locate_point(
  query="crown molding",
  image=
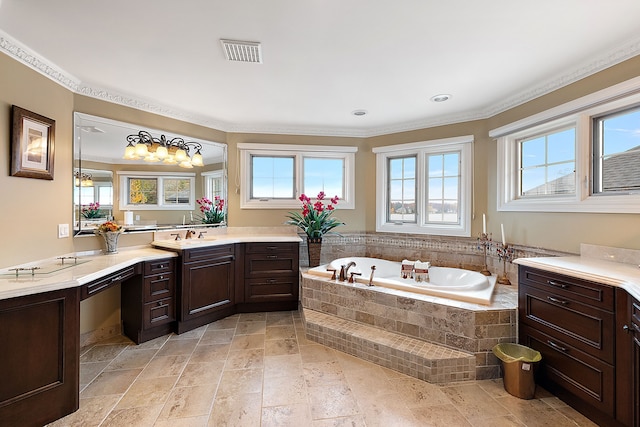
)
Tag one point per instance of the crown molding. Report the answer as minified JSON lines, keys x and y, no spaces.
{"x":37,"y":62}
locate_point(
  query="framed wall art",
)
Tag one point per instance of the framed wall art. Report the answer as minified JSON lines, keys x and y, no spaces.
{"x":32,"y":144}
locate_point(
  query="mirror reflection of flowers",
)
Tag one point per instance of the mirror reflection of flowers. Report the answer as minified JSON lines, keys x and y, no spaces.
{"x":109,"y":226}
{"x":92,"y":210}
{"x":212,"y":211}
{"x":316,"y":219}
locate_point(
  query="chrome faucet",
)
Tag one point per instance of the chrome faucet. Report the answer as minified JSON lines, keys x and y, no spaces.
{"x":344,"y":271}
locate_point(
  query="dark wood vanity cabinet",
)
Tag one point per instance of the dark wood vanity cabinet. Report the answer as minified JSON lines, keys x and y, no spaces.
{"x":271,"y":276}
{"x":40,"y":358}
{"x":207,"y":287}
{"x":628,"y":359}
{"x":572,"y":323}
{"x":148,"y":301}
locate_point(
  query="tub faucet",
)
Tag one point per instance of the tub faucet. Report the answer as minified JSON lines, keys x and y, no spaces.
{"x":344,"y":271}
{"x":373,"y":268}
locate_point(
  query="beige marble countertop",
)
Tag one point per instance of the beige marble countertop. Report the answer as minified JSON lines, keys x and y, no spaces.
{"x":620,"y":274}
{"x":95,"y":264}
{"x":223,"y":236}
{"x":91,"y":266}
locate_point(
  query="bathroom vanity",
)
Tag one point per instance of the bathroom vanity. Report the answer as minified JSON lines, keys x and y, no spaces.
{"x":177,"y":288}
{"x":583,"y":315}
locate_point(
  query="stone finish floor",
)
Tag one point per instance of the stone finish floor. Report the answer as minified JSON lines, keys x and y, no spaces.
{"x":259,"y":370}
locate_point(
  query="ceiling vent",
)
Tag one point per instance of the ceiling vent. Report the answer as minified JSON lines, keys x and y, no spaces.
{"x":241,"y":51}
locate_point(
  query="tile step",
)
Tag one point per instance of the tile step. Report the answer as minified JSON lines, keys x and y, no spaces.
{"x":420,"y":359}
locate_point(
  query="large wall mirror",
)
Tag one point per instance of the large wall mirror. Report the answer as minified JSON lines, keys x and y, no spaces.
{"x":162,"y":188}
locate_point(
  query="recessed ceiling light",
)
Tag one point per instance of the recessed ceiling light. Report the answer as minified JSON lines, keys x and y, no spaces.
{"x":359,"y":112}
{"x":441,"y":98}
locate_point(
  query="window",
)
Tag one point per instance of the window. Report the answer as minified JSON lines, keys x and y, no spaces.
{"x":215,"y":184}
{"x":583,"y":156}
{"x":401,"y":192}
{"x":616,"y":156}
{"x":425,"y":187}
{"x":157,"y":191}
{"x":274,"y":176}
{"x":547,"y":163}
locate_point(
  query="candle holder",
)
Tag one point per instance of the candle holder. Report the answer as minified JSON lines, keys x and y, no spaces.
{"x":484,"y":242}
{"x":505,"y":253}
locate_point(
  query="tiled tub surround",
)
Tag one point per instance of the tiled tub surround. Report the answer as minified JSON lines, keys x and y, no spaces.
{"x":441,"y":251}
{"x":430,"y":338}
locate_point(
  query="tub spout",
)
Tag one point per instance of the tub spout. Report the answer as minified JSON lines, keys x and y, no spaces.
{"x":344,"y":271}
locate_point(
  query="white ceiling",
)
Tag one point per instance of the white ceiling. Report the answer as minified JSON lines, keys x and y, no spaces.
{"x":323,"y":59}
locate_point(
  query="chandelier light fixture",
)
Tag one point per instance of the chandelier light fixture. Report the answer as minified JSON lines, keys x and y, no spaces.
{"x":176,"y":151}
{"x":83,"y":179}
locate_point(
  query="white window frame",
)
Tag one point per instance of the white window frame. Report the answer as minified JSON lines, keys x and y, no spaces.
{"x":580,"y":112}
{"x":207,"y":184}
{"x":462,"y":144}
{"x":161,"y":176}
{"x":298,"y":152}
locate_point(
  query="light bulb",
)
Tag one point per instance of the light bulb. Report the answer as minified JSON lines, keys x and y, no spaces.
{"x":141,"y":149}
{"x":181,"y":155}
{"x":196,"y":160}
{"x":186,"y":164}
{"x":130,"y":152}
{"x":162,"y":152}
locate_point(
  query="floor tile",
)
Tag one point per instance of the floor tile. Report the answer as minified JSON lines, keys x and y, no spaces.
{"x":259,"y":370}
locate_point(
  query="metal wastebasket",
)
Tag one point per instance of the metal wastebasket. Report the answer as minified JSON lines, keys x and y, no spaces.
{"x":518,"y":363}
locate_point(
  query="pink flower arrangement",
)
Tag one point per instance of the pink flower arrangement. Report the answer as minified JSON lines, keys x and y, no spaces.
{"x":92,"y":210}
{"x":316,"y":218}
{"x":212,"y":211}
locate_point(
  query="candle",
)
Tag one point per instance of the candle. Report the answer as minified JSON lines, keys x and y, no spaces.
{"x":504,"y":241}
{"x":183,"y":218}
{"x":191,"y":215}
{"x":484,"y":224}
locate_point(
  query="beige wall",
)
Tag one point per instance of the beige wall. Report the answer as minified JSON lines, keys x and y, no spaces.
{"x":28,"y":202}
{"x":32,"y":208}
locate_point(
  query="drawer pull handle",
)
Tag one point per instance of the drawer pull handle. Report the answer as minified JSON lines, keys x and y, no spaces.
{"x":115,"y":279}
{"x":272,"y":248}
{"x":271,"y":281}
{"x":631,"y":329}
{"x":557,"y":301}
{"x":161,"y":266}
{"x":557,"y":284}
{"x":161,"y":277}
{"x":272,"y":256}
{"x":556,"y":346}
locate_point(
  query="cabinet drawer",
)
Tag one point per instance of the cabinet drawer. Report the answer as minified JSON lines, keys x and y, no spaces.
{"x":106,"y":282}
{"x":582,"y":326}
{"x":271,"y":247}
{"x":586,"y":377}
{"x":275,"y":264}
{"x":594,"y":294}
{"x":158,"y":287}
{"x":208,"y":253}
{"x":160,"y":266}
{"x":158,"y":313}
{"x":271,"y":289}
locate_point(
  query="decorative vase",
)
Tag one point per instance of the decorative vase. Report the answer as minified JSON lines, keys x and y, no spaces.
{"x":111,"y":241}
{"x":314,"y":247}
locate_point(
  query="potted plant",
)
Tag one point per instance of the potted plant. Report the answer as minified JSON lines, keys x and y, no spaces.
{"x":90,"y":211}
{"x":110,"y":231}
{"x":315,"y":220}
{"x":212,"y":211}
